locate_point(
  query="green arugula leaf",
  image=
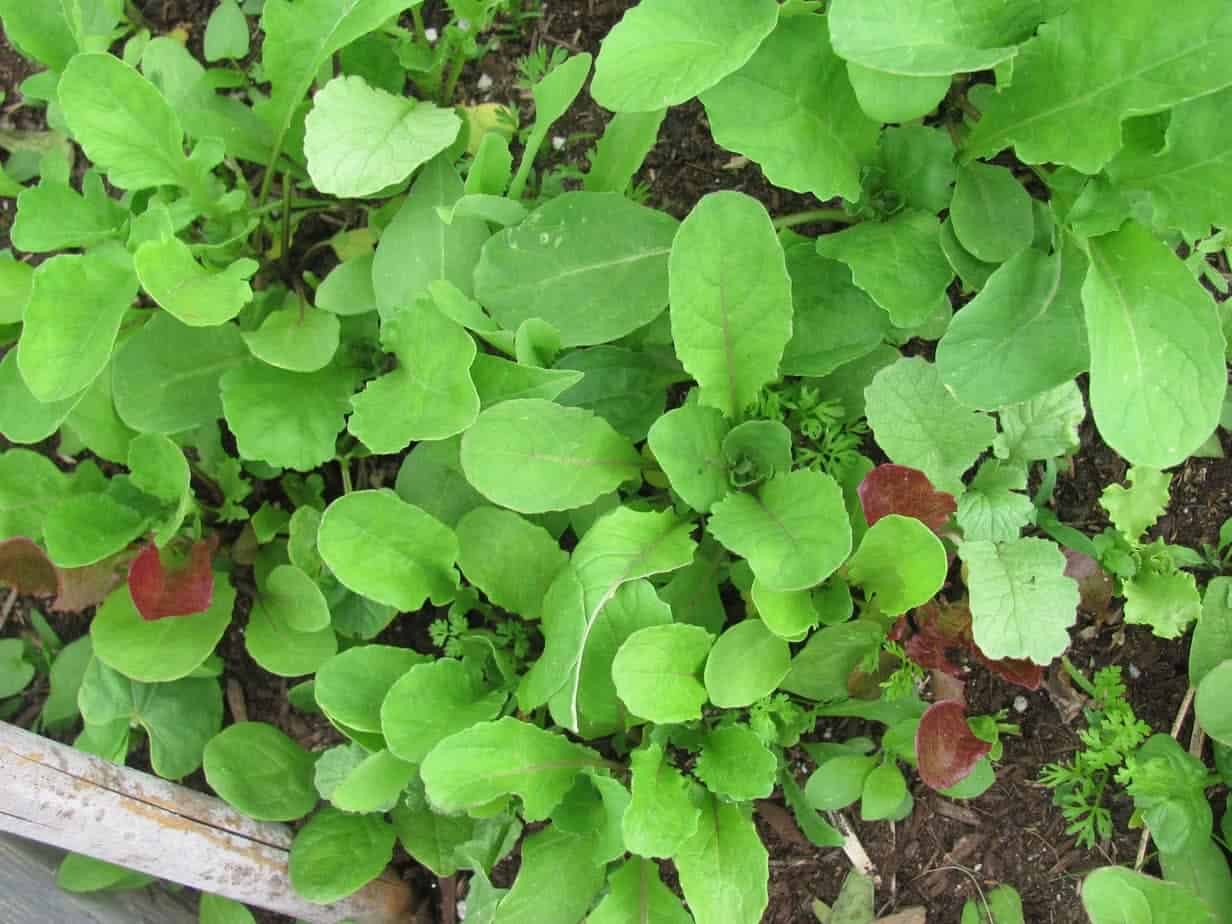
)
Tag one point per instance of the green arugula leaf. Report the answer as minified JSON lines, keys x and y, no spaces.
{"x":260,"y":771}
{"x":159,"y":469}
{"x":735,"y":764}
{"x":723,"y":867}
{"x":226,"y":33}
{"x":992,"y":507}
{"x":30,"y":486}
{"x":1022,"y":603}
{"x":627,"y":388}
{"x":95,"y":423}
{"x":661,"y":815}
{"x":52,"y":216}
{"x":553,"y":863}
{"x":375,"y":785}
{"x":886,"y":97}
{"x":431,"y":839}
{"x":432,"y":701}
{"x":991,"y":212}
{"x":23,"y":418}
{"x":1113,"y":893}
{"x":468,"y":770}
{"x":621,"y":150}
{"x":794,"y":533}
{"x":807,"y":135}
{"x":788,"y":614}
{"x":730,"y":300}
{"x":187,"y":290}
{"x":919,"y":165}
{"x":746,"y":663}
{"x":899,"y":263}
{"x":1069,"y":96}
{"x":86,"y":528}
{"x":657,"y":672}
{"x":1158,"y":375}
{"x":534,"y":456}
{"x":296,"y":337}
{"x":973,"y":273}
{"x":900,"y":563}
{"x":16,"y":280}
{"x":276,"y":646}
{"x":636,"y":894}
{"x":388,"y":550}
{"x":1211,"y":703}
{"x":597,"y":248}
{"x":360,"y":140}
{"x":351,"y":687}
{"x":431,"y":479}
{"x":884,"y":795}
{"x":292,"y":598}
{"x":71,"y":321}
{"x":688,"y":444}
{"x":1043,"y":428}
{"x":918,"y":423}
{"x":665,"y":52}
{"x":511,"y":560}
{"x":367,"y":841}
{"x":348,"y":289}
{"x":1212,"y":638}
{"x":39,"y":31}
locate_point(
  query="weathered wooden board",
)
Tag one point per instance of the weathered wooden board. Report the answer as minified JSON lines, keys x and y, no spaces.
{"x":59,"y":796}
{"x":29,"y":894}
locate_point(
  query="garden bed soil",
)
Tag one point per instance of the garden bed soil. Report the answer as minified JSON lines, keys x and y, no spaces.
{"x":946,"y":851}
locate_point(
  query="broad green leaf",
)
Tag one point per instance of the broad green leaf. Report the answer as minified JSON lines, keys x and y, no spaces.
{"x":1211,"y":703}
{"x":159,"y":469}
{"x":494,"y":209}
{"x":300,"y":37}
{"x":360,"y":140}
{"x":1167,"y":601}
{"x":688,"y":444}
{"x":432,"y":701}
{"x":418,"y":248}
{"x":919,"y":423}
{"x":226,"y":33}
{"x":287,"y":419}
{"x":183,"y":287}
{"x":431,"y":478}
{"x":297,"y":337}
{"x":52,"y":216}
{"x":973,"y":273}
{"x":595,"y":808}
{"x":788,"y":614}
{"x":820,"y":671}
{"x":375,"y":785}
{"x":348,"y":289}
{"x":1043,"y":428}
{"x":40,"y":31}
{"x":1212,"y":638}
{"x":834,"y":322}
{"x":619,"y":154}
{"x":468,"y":770}
{"x":730,"y":300}
{"x":498,"y":380}
{"x":1071,"y":90}
{"x":885,"y":791}
{"x":366,"y":841}
{"x":838,"y":782}
{"x":635,"y":895}
{"x":993,"y":506}
{"x":80,"y":873}
{"x":257,"y":769}
{"x":71,"y":321}
{"x":794,"y":532}
{"x":86,"y":528}
{"x":163,"y":650}
{"x":901,"y":564}
{"x":290,"y":597}
{"x":511,"y":560}
{"x":123,"y":123}
{"x":430,"y":395}
{"x":67,"y":672}
{"x":1158,"y":375}
{"x":588,"y":613}
{"x":215,"y":909}
{"x":431,"y":839}
{"x":553,"y":94}
{"x":279,"y":648}
{"x":1022,"y":603}
{"x":1022,"y":335}
{"x":899,"y":98}
{"x":557,"y":864}
{"x":931,"y":37}
{"x":599,"y":249}
{"x":388,"y":550}
{"x":95,"y":423}
{"x":693,"y":591}
{"x":657,"y":672}
{"x":665,"y":52}
{"x":627,"y":388}
{"x":1115,"y":895}
{"x":534,"y":456}
{"x":991,"y":212}
{"x":757,"y":450}
{"x":178,"y":717}
{"x":919,"y":165}
{"x":806,"y":135}
{"x":723,"y":867}
{"x":165,"y":378}
{"x":23,"y":418}
{"x":899,"y":263}
{"x":1183,"y":179}
{"x":16,"y":279}
{"x":746,"y":663}
{"x":661,"y":814}
{"x":352,"y":685}
{"x":736,"y":765}
{"x":30,"y":486}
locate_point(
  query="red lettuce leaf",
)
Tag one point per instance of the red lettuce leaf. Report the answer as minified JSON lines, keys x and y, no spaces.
{"x":26,"y":567}
{"x":181,"y":590}
{"x":943,"y":635}
{"x":906,"y":491}
{"x":1095,"y":587}
{"x":945,"y":746}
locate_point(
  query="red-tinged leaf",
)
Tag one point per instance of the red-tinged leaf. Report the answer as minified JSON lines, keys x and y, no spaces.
{"x":943,"y":635}
{"x":906,"y":491}
{"x":945,"y":686}
{"x":182,"y":590}
{"x":82,"y":588}
{"x":1026,"y":674}
{"x":1095,"y":587}
{"x":26,"y":568}
{"x":945,"y":746}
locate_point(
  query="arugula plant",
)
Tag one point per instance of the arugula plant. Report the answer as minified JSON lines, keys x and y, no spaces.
{"x":634,"y":498}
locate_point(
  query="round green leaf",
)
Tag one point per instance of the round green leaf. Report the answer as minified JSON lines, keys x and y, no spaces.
{"x":292,"y":598}
{"x":429,"y":703}
{"x":182,"y":286}
{"x":788,"y":614}
{"x":162,"y":650}
{"x":656,"y":672}
{"x":511,"y":560}
{"x":257,"y":769}
{"x":890,"y":97}
{"x":298,"y":338}
{"x":23,"y":418}
{"x":884,"y":791}
{"x":375,"y":785}
{"x":351,"y":686}
{"x":745,"y":664}
{"x":30,"y":486}
{"x":388,"y":550}
{"x":348,"y":289}
{"x":736,"y":764}
{"x":838,"y":782}
{"x":900,"y":563}
{"x":991,"y":212}
{"x":282,"y":650}
{"x":1214,"y":703}
{"x":688,"y":445}
{"x":365,"y":841}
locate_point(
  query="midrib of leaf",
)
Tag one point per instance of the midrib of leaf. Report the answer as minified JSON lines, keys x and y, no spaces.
{"x":1113,"y":283}
{"x":727,"y":343}
{"x":604,"y":264}
{"x":643,"y":894}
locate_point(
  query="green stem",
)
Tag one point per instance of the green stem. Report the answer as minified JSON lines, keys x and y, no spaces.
{"x":451,"y":82}
{"x":135,"y":16}
{"x":344,"y":466}
{"x":1077,"y":676}
{"x":301,"y":205}
{"x":417,"y":19}
{"x":837,"y":216}
{"x":529,"y":153}
{"x":288,"y":196}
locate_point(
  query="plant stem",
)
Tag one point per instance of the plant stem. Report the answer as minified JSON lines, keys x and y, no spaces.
{"x":288,"y":196}
{"x":838,"y":216}
{"x":417,"y":19}
{"x":455,"y":71}
{"x":300,"y":205}
{"x":344,"y":466}
{"x":1077,"y":676}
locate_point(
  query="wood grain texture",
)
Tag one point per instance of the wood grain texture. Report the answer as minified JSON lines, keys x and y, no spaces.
{"x":65,"y":798}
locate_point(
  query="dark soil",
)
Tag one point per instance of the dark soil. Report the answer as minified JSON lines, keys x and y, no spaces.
{"x":946,"y":851}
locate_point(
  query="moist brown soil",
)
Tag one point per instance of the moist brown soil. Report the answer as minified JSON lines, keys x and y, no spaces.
{"x":947,"y":851}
